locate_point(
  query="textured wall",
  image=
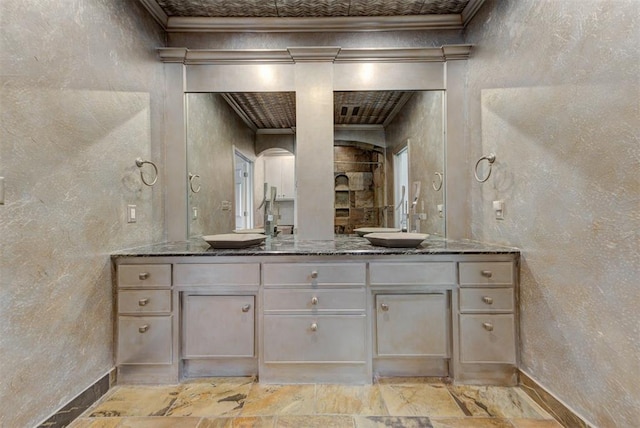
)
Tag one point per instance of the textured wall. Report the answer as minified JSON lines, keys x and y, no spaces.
{"x":421,"y":121}
{"x":80,"y":99}
{"x":213,"y":128}
{"x":553,"y":91}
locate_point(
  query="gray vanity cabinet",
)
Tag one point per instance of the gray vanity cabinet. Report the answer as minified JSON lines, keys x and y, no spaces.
{"x":144,"y":346}
{"x":217,"y":317}
{"x":487,"y":319}
{"x":314,"y":327}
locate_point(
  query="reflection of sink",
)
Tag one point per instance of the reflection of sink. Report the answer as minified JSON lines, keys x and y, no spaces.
{"x":364,"y":230}
{"x":396,"y":240}
{"x":260,"y":230}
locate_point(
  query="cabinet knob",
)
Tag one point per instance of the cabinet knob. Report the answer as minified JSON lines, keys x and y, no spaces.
{"x":488,"y":300}
{"x":486,"y":273}
{"x":314,"y":300}
{"x":314,"y":274}
{"x":143,"y":302}
{"x":143,"y":275}
{"x":144,"y":328}
{"x":487,"y":326}
{"x":246,"y":308}
{"x":384,"y":306}
{"x":314,"y":327}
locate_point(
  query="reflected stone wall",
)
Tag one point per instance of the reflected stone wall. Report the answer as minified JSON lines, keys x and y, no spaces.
{"x":553,"y":91}
{"x":80,"y":99}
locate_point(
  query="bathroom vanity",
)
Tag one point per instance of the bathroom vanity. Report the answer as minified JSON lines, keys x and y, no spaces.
{"x":338,"y":311}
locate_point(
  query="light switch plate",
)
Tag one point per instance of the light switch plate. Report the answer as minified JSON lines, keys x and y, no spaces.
{"x":498,"y":207}
{"x":194,"y":213}
{"x":1,"y":190}
{"x":131,"y":214}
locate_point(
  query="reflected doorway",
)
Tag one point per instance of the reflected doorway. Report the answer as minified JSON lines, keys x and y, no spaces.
{"x":243,"y":183}
{"x":401,"y":187}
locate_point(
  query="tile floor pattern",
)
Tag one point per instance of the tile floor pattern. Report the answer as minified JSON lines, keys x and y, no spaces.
{"x":241,"y":402}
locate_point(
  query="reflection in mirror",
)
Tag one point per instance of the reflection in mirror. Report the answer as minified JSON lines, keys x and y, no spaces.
{"x":225,"y":134}
{"x":370,"y":128}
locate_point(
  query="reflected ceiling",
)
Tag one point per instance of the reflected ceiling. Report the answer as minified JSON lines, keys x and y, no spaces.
{"x":277,"y":110}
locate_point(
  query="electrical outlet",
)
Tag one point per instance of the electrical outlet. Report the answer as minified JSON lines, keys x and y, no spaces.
{"x":226,"y":206}
{"x":441,"y":210}
{"x":131,"y":214}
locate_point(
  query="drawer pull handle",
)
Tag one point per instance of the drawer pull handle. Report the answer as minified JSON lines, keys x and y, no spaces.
{"x":143,"y":302}
{"x":314,"y":300}
{"x":384,"y":307}
{"x":144,"y":328}
{"x":314,"y":274}
{"x":314,"y":327}
{"x":488,"y":300}
{"x":486,"y":273}
{"x":246,"y":308}
{"x":143,"y":276}
{"x":487,"y":326}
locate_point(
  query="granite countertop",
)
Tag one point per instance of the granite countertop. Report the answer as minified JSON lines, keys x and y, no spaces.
{"x":288,"y":245}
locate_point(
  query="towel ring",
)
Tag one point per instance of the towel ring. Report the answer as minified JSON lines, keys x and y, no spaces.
{"x":438,"y":186}
{"x":192,"y":177}
{"x":491,"y":159}
{"x":139,"y":163}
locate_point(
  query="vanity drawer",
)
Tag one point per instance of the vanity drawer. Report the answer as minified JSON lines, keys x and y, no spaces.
{"x":141,"y":301}
{"x":486,"y":299}
{"x":158,"y":276}
{"x":144,"y":340}
{"x":486,"y":273}
{"x":217,"y":274}
{"x":425,"y":273}
{"x":487,"y":339}
{"x":314,"y":300}
{"x":324,"y":338}
{"x":314,"y":274}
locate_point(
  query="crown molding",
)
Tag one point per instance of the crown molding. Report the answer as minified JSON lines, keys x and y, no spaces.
{"x":470,"y":10}
{"x":156,"y":11}
{"x":313,"y":54}
{"x":313,"y":24}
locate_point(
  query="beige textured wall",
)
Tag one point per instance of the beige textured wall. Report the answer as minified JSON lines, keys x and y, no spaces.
{"x":420,"y":121}
{"x":213,"y":129}
{"x":80,"y":99}
{"x":553,"y":91}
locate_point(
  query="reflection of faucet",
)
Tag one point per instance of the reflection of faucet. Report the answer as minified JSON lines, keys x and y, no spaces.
{"x":415,"y":223}
{"x":403,"y":211}
{"x":269,"y":204}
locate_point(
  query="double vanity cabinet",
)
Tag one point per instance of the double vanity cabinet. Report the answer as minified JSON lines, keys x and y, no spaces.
{"x":340,"y":312}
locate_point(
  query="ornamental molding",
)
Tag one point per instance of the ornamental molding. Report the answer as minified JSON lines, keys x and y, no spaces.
{"x":313,"y":54}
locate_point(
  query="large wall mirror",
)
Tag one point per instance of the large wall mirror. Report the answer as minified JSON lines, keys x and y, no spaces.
{"x":237,"y":142}
{"x":385,"y":141}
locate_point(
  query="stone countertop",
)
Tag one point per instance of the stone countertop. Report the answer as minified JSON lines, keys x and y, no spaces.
{"x":288,"y":245}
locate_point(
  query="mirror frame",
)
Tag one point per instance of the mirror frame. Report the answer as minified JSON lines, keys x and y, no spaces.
{"x":211,"y":70}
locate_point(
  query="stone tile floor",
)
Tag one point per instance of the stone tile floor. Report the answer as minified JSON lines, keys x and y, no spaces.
{"x":242,"y":402}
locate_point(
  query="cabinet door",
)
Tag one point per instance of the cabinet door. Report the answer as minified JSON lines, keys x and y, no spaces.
{"x":218,"y":326}
{"x":287,"y":177}
{"x":412,"y":325}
